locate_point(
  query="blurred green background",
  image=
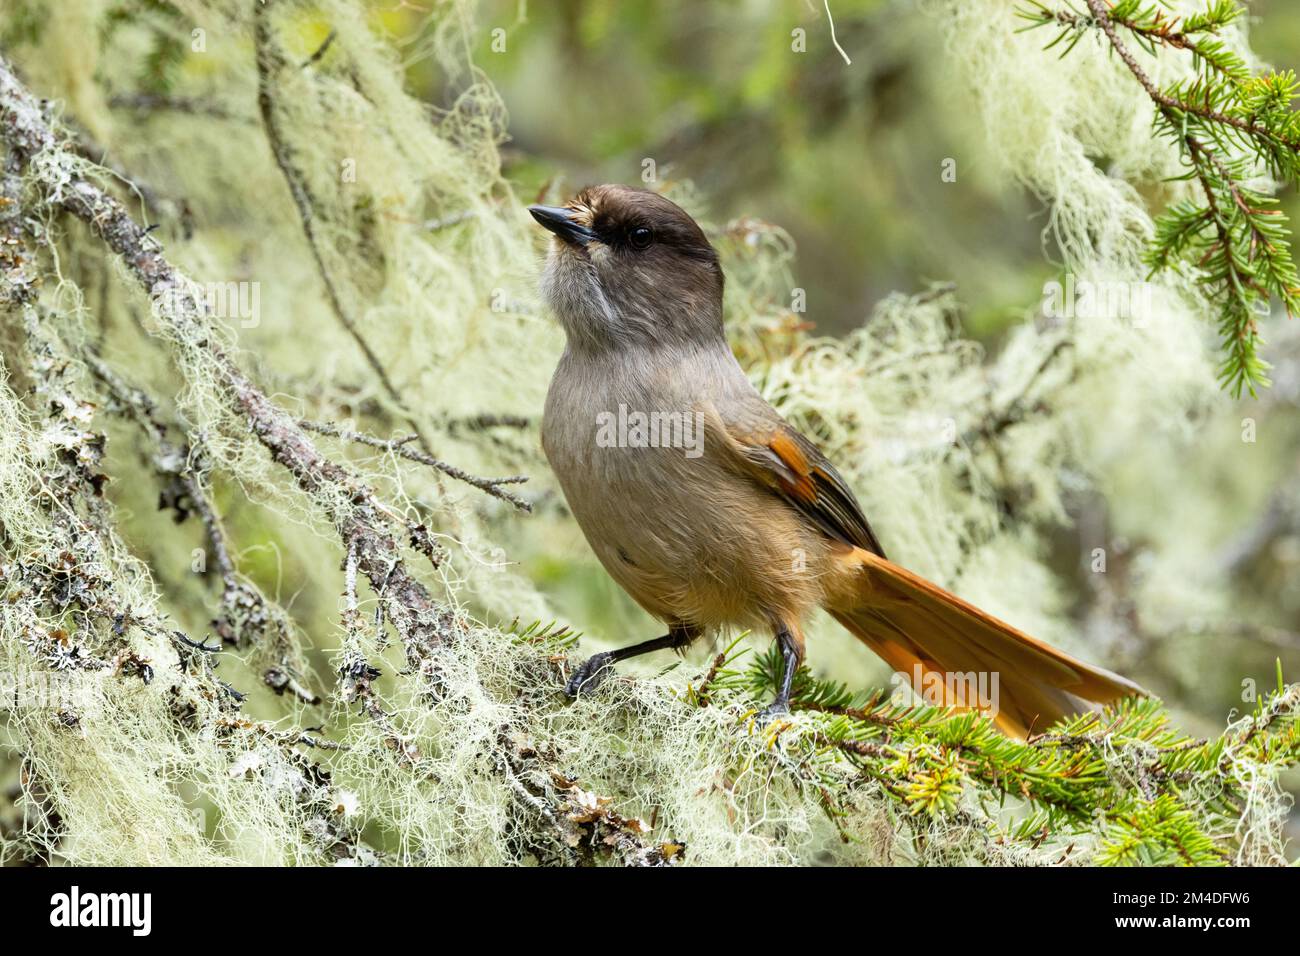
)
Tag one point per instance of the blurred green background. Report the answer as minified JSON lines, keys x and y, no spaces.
{"x":847,"y":159}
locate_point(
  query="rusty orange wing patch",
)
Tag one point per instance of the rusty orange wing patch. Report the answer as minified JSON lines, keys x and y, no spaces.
{"x":797,"y":470}
{"x":796,"y":478}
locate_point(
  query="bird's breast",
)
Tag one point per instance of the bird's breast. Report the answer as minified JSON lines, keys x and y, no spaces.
{"x":686,"y":535}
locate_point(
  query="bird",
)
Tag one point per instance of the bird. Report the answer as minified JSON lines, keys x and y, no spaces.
{"x":712,"y":511}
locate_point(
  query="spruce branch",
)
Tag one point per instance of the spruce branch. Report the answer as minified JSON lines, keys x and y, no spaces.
{"x":1225,"y":123}
{"x":1165,"y":797}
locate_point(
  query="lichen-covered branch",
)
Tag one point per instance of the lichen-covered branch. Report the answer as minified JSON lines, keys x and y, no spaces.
{"x":245,"y":617}
{"x":360,"y":518}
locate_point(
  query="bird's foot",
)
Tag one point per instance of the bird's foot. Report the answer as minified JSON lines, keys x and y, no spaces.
{"x":589,"y":674}
{"x":778,"y":708}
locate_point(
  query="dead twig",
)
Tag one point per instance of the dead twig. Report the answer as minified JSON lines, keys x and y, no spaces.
{"x":400,"y":447}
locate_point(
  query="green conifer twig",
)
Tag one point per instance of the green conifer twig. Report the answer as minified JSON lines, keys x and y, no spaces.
{"x":1226,"y":123}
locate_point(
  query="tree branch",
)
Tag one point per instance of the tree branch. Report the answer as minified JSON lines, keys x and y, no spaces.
{"x":358,"y":516}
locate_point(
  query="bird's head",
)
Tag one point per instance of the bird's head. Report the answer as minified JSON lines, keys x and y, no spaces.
{"x":628,"y":265}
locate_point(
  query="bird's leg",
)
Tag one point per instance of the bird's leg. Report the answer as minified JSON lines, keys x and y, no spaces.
{"x":595,"y":668}
{"x":792,"y":654}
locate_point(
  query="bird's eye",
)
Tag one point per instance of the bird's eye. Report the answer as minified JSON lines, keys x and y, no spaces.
{"x":640,"y":237}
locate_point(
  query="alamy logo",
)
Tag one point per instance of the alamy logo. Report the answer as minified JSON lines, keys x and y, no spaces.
{"x":103,"y":909}
{"x":240,"y":301}
{"x":976,"y":690}
{"x":658,"y":429}
{"x":1088,"y":299}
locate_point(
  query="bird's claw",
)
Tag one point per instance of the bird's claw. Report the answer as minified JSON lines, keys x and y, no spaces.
{"x":589,"y":674}
{"x":778,"y":708}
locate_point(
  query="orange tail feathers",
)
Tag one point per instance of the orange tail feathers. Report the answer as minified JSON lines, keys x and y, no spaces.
{"x":968,"y":658}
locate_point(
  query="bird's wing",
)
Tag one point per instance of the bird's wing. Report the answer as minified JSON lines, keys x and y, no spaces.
{"x":777,"y":456}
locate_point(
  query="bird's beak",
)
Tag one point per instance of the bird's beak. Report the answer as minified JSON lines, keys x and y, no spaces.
{"x":563,"y":223}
